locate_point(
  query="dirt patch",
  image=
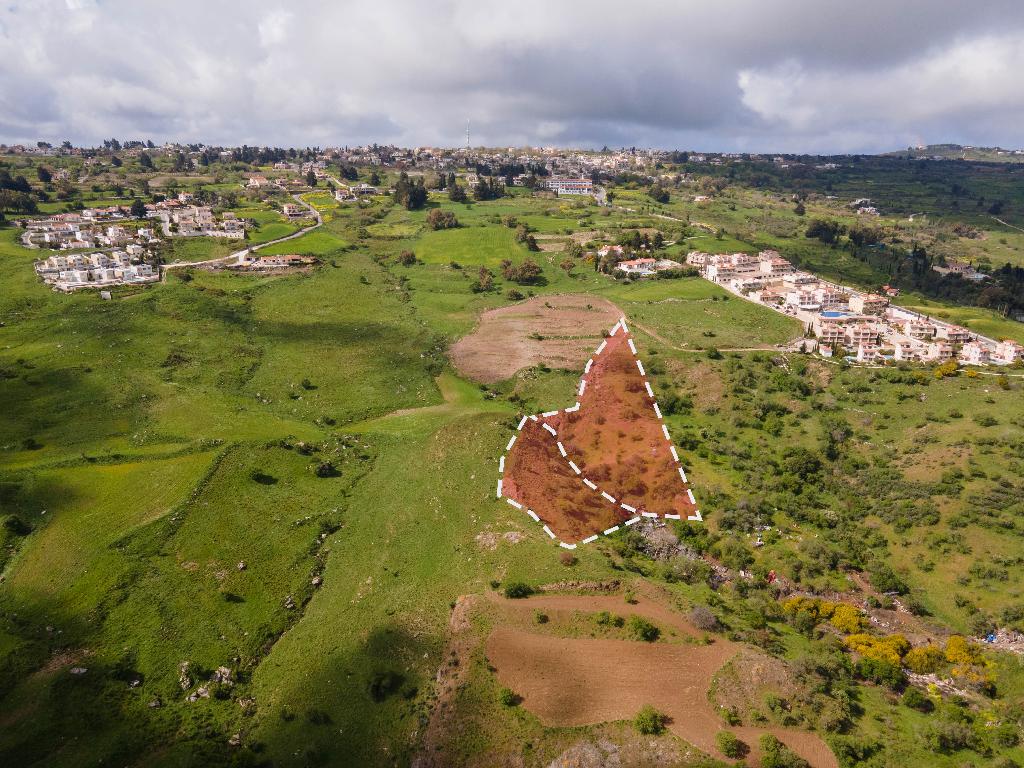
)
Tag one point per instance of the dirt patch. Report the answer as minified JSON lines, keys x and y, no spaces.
{"x":572,"y":681}
{"x":616,"y":437}
{"x":743,"y":682}
{"x":490,"y":539}
{"x":450,"y":676}
{"x":569,"y":682}
{"x":506,"y":339}
{"x":540,"y":479}
{"x":602,"y":462}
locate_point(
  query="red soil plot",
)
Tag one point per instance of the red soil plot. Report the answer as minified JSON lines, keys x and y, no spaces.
{"x":538,"y":478}
{"x":612,"y":444}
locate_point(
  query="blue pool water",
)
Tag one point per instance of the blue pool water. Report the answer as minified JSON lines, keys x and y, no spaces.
{"x":833,"y":314}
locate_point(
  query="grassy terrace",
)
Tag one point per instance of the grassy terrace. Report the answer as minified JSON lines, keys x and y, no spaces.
{"x":163,"y":438}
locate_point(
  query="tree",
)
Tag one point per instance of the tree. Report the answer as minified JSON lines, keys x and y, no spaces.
{"x":527,"y":273}
{"x":410,"y":195}
{"x":438,"y":219}
{"x":44,"y":175}
{"x":824,"y":230}
{"x":456,"y":193}
{"x":138,"y":209}
{"x":145,"y":160}
{"x":649,"y":721}
{"x":310,"y":178}
{"x":484,"y":281}
{"x":658,"y":193}
{"x":568,"y":264}
{"x":799,"y":209}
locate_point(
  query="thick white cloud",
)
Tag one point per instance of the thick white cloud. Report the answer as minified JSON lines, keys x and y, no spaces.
{"x":785,"y":75}
{"x":969,"y":83}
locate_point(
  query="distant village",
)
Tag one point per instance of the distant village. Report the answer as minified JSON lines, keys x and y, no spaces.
{"x":863,"y":327}
{"x":128,"y":256}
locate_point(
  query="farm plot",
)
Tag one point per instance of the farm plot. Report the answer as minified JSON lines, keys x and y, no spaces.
{"x":606,"y":461}
{"x":554,"y":330}
{"x":572,"y":681}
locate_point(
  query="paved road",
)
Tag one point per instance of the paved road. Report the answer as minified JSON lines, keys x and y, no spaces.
{"x":234,"y":257}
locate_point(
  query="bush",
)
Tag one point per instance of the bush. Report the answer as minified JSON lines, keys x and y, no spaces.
{"x":407,"y":258}
{"x":775,"y":754}
{"x":703,"y":619}
{"x":262,"y":477}
{"x":507,"y":697}
{"x":383,"y":684}
{"x":438,"y":219}
{"x":649,"y":721}
{"x":914,"y":699}
{"x":540,"y":617}
{"x":13,"y":524}
{"x":847,"y":619}
{"x":517,"y":590}
{"x":326,"y":469}
{"x":642,"y":629}
{"x":881,"y":672}
{"x":924,"y":660}
{"x":730,"y":746}
{"x":945,"y":737}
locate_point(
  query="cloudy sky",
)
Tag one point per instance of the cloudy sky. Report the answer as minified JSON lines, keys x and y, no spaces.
{"x":783,"y":75}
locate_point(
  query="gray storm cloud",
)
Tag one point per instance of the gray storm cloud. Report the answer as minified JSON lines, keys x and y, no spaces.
{"x":787,"y":76}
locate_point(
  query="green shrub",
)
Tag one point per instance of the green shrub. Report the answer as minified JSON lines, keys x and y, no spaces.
{"x":775,"y":754}
{"x":649,"y":721}
{"x":915,"y":699}
{"x":730,"y":746}
{"x":517,"y":589}
{"x":507,"y":697}
{"x":642,"y":629}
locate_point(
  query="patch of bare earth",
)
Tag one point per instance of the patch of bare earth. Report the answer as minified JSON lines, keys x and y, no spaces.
{"x":588,"y":469}
{"x":569,"y":682}
{"x":506,"y":339}
{"x":617,"y":440}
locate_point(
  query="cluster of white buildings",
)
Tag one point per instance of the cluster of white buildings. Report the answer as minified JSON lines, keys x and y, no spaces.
{"x":95,"y":270}
{"x":644,"y":266}
{"x":567,"y":185}
{"x":863,"y":325}
{"x":91,"y":228}
{"x":255,"y":262}
{"x":199,"y":221}
{"x":344,"y":193}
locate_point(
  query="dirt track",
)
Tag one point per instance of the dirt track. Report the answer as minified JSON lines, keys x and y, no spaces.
{"x":501,"y":344}
{"x":573,"y":682}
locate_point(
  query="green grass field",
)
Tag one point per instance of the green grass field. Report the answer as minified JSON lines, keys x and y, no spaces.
{"x":284,"y":476}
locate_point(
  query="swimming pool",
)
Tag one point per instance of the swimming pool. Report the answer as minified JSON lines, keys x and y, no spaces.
{"x":833,"y":313}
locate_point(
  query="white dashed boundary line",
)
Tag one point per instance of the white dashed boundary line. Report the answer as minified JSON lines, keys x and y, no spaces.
{"x":696,"y":516}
